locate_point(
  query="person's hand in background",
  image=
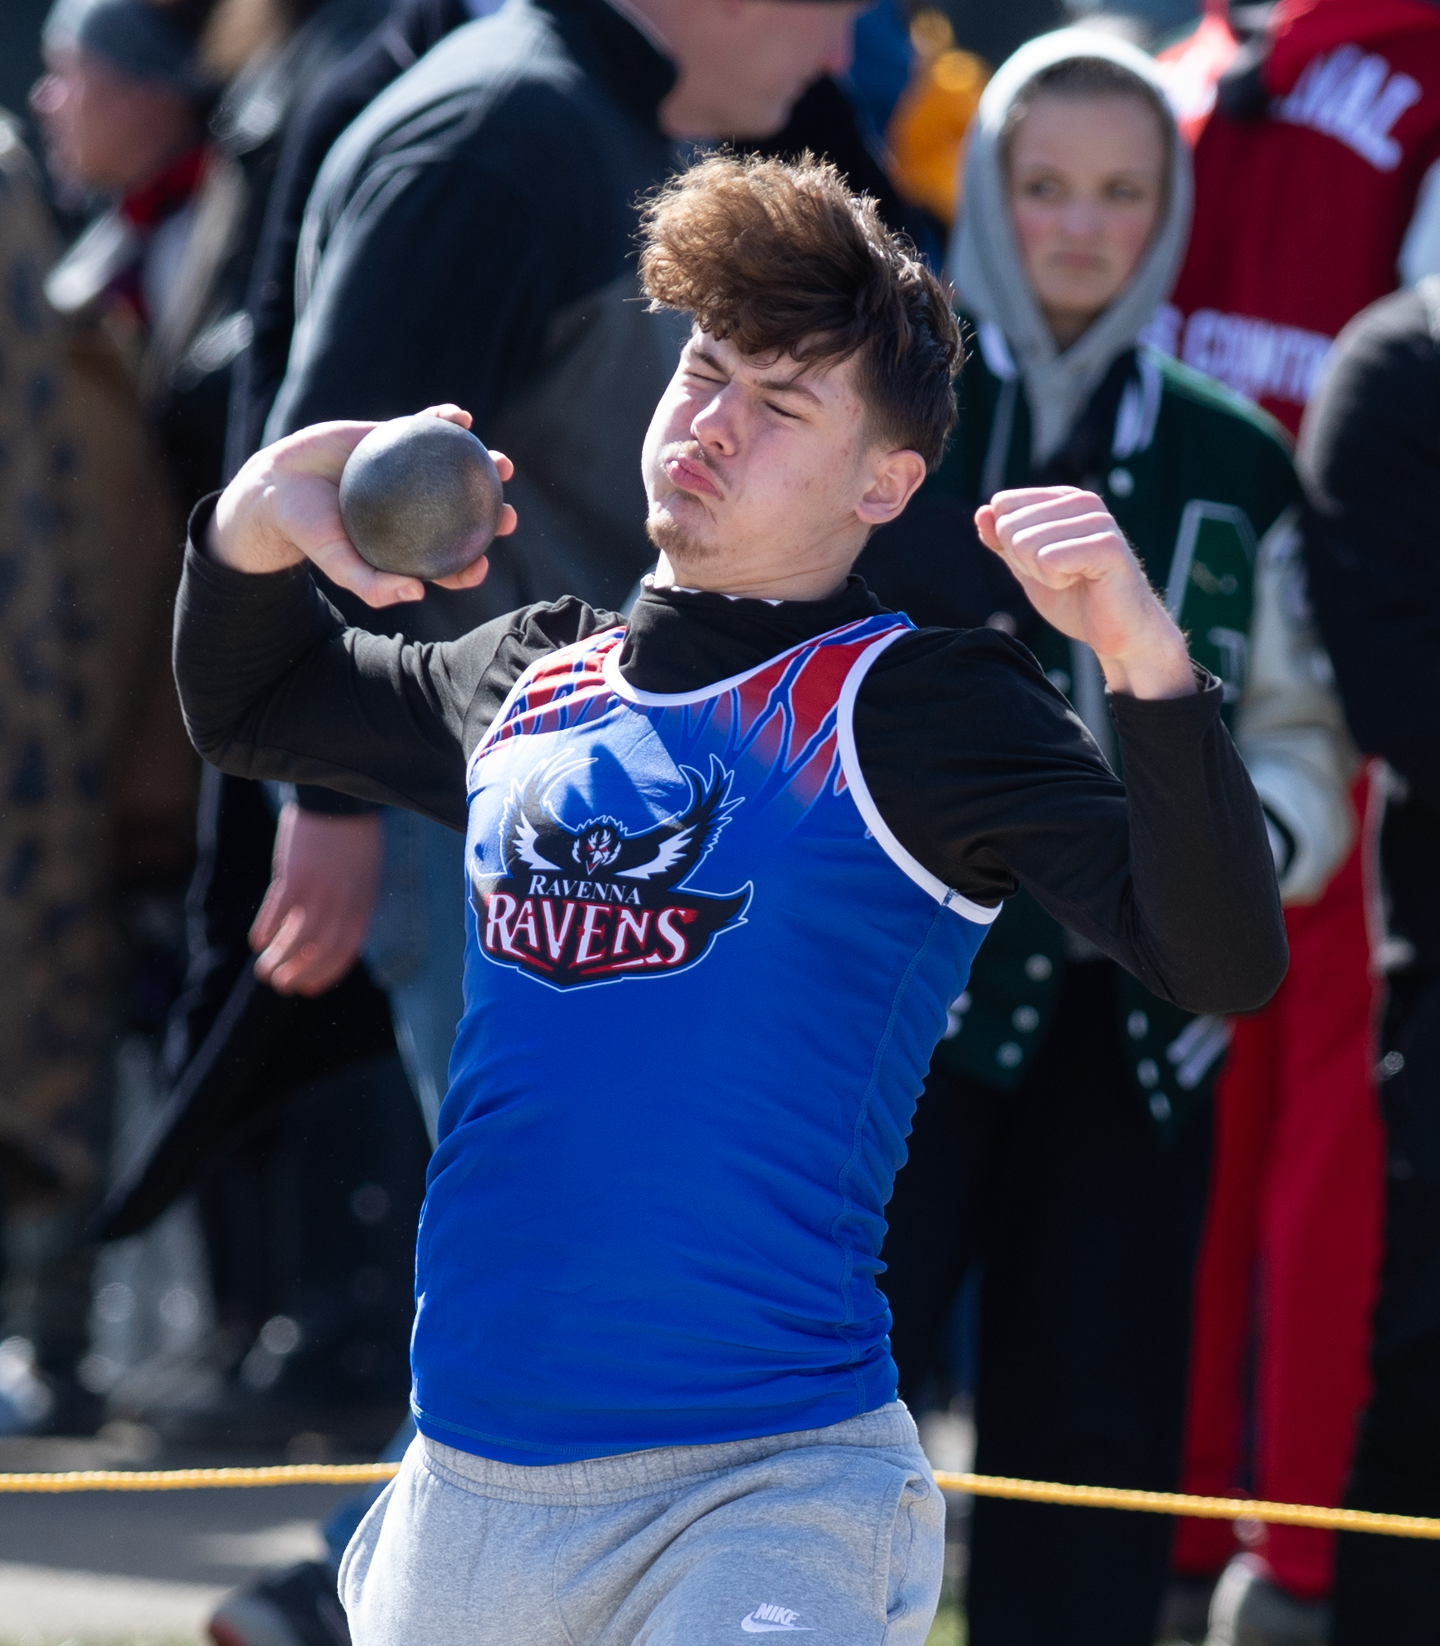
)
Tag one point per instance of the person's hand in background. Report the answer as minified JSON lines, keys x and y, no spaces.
{"x":325,"y":877}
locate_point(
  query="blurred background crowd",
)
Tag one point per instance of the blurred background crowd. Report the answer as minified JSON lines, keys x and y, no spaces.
{"x":1198,"y":254}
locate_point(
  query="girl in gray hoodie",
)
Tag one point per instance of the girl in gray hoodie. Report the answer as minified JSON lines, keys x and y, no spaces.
{"x":1064,"y":1136}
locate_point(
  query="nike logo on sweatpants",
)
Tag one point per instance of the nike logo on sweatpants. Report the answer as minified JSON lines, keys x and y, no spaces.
{"x":766,"y":1620}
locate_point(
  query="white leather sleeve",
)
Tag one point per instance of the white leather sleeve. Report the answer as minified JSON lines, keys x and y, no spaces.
{"x":1289,"y":726}
{"x":1420,"y":249}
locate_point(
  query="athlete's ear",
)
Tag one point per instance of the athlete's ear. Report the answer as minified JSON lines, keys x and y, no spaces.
{"x":894,"y":480}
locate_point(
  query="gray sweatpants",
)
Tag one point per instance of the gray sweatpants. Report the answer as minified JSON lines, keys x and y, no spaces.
{"x":838,"y":1532}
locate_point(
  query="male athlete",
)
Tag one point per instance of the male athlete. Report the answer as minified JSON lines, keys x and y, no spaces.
{"x":728,"y":863}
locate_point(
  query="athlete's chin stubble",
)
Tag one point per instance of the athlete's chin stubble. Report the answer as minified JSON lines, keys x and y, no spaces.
{"x":674,"y":542}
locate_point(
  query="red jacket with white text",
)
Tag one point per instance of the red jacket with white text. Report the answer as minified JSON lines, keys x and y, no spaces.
{"x":1304,"y":197}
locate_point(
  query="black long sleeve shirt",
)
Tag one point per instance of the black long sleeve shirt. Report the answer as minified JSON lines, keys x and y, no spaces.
{"x":1369,"y":460}
{"x":982,"y":770}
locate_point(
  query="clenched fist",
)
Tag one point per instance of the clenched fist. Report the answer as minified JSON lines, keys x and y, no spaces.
{"x":1082,"y":577}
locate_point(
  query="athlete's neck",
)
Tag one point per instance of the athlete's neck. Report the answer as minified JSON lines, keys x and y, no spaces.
{"x":751,"y":583}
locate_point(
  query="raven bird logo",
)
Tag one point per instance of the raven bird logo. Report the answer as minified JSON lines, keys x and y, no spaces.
{"x":532,"y":836}
{"x":589,"y":905}
{"x":598,"y":847}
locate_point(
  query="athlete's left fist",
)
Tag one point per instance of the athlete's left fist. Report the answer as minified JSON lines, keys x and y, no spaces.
{"x":1080,"y":574}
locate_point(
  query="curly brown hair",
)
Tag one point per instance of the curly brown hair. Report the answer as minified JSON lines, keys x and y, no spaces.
{"x":783,"y":258}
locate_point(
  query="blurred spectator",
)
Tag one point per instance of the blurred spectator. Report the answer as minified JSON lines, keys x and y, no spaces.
{"x":1063,"y":1138}
{"x":1370,"y":461}
{"x":55,"y":929}
{"x":101,"y":782}
{"x":927,"y":126}
{"x":1317,"y":187}
{"x":132,"y":108}
{"x":271,"y":54}
{"x":1330,"y":115}
{"x":328,"y":106}
{"x":101,"y":800}
{"x":123,"y":108}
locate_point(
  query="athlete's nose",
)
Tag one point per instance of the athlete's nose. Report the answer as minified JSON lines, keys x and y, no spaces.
{"x":715,"y":426}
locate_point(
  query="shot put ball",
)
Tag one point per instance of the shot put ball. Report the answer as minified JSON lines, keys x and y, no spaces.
{"x":420,"y":497}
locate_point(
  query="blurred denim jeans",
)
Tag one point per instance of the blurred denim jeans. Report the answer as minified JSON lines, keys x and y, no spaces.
{"x":416,"y":948}
{"x":416,"y":953}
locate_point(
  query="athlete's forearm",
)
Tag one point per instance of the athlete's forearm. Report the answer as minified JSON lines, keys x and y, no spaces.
{"x":1180,"y":887}
{"x":1203,"y":916}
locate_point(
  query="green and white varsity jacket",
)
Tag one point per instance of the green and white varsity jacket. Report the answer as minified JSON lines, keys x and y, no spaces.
{"x":1202,"y":484}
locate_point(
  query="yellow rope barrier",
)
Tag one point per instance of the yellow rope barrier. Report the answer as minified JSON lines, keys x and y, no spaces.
{"x":179,"y":1480}
{"x":1182,"y":1503}
{"x":1026,"y":1491}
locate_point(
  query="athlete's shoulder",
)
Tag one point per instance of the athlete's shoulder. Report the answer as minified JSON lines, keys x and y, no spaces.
{"x":480,"y":670}
{"x":937,"y":661}
{"x":499,"y":652}
{"x":973,"y":701}
{"x":552,"y":625}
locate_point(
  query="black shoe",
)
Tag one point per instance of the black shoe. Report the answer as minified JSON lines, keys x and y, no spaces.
{"x":1185,"y":1611}
{"x":296,"y":1607}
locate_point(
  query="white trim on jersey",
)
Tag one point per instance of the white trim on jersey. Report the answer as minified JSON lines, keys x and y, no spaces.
{"x":671,"y":700}
{"x":945,"y":895}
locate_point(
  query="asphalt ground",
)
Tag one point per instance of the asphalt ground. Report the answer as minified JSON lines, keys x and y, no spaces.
{"x":79,"y":1569}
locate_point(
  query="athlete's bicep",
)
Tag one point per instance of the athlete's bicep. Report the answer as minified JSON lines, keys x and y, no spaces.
{"x":985,"y":772}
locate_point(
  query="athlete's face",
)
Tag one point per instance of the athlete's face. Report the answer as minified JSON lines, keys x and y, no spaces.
{"x":762,"y":475}
{"x":1087,"y":181}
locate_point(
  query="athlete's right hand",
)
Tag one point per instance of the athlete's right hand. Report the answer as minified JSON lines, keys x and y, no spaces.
{"x":284,"y":507}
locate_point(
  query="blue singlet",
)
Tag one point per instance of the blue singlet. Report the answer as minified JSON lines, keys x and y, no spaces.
{"x":702,"y":984}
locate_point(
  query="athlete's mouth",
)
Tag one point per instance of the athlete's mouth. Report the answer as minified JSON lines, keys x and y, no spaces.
{"x":690,"y":474}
